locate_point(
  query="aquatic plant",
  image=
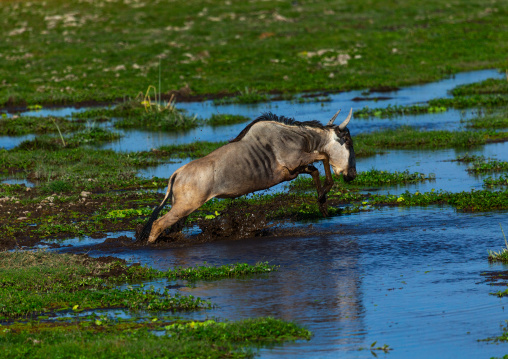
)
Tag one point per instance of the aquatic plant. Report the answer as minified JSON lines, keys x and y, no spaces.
{"x":491,"y":120}
{"x":494,"y":182}
{"x":147,"y":337}
{"x":502,"y":255}
{"x":409,"y":137}
{"x":396,"y":110}
{"x":481,"y":165}
{"x":206,"y":272}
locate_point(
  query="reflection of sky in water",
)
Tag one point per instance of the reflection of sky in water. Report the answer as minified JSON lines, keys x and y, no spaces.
{"x":406,"y":277}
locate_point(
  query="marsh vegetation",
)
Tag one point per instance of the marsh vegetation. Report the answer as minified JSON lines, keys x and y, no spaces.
{"x":136,"y":77}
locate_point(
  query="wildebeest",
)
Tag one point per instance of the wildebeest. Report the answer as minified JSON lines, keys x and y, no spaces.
{"x":270,"y":150}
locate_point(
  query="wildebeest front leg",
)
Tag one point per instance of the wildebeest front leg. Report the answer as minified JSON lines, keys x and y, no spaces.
{"x":313,"y":171}
{"x":328,"y":181}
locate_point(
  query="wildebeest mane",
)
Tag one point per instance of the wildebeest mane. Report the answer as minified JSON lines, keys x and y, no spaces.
{"x":268,"y":116}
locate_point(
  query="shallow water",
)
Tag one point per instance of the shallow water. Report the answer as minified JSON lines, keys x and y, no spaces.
{"x":406,"y":277}
{"x":449,"y":176}
{"x":137,"y":140}
{"x":312,"y":111}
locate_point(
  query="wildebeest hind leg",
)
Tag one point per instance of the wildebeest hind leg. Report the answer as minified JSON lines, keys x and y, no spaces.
{"x":175,"y":216}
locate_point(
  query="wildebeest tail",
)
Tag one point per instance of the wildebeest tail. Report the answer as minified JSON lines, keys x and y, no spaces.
{"x":145,"y":232}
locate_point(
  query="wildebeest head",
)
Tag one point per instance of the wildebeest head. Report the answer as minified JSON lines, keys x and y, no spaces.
{"x":340,"y":148}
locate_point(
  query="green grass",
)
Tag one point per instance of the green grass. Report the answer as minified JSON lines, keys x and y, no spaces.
{"x":226,"y":271}
{"x":484,"y":166}
{"x":491,"y":119}
{"x":23,"y":125}
{"x":406,"y":137}
{"x":396,"y":110}
{"x":245,"y":97}
{"x":92,"y":136}
{"x":64,"y":53}
{"x":143,"y":114}
{"x":100,"y":338}
{"x":32,"y":283}
{"x":36,"y":282}
{"x":87,"y":168}
{"x":471,"y":101}
{"x":473,"y":201}
{"x":40,"y":282}
{"x":489,"y":86}
{"x":189,"y":150}
{"x":226,"y":119}
{"x":367,"y":178}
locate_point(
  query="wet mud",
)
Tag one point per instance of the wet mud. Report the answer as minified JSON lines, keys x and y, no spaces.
{"x":239,"y":220}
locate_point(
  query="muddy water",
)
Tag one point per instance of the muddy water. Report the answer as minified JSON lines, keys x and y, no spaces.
{"x":409,"y":278}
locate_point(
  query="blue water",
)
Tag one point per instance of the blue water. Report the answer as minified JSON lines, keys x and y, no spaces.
{"x":405,"y":277}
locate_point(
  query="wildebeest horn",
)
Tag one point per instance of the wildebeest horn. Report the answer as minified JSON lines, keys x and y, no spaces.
{"x":346,"y":121}
{"x":333,"y":119}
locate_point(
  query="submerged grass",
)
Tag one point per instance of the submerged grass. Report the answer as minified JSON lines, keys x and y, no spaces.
{"x":489,"y":86}
{"x":396,"y":110}
{"x":244,"y":97}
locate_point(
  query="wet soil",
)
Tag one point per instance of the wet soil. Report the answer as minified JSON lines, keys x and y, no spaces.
{"x":237,"y":221}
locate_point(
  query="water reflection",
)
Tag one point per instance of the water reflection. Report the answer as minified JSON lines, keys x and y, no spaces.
{"x":406,"y":277}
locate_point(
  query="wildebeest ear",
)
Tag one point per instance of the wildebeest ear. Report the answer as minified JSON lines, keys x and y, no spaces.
{"x":333,"y":119}
{"x":346,"y":121}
